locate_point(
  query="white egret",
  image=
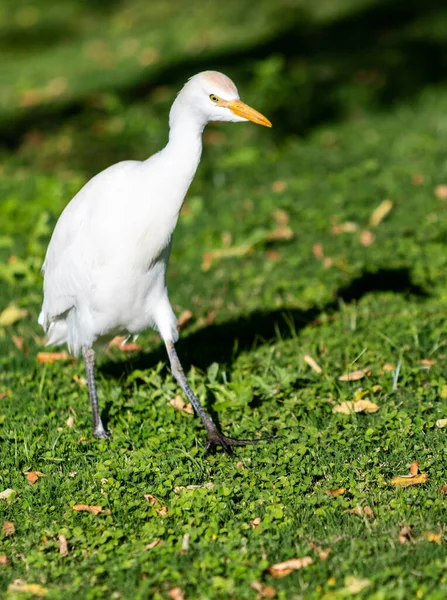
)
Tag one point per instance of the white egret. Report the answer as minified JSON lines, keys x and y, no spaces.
{"x":105,"y":267}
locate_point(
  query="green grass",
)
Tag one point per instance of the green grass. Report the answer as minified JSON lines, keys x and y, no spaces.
{"x":359,"y":118}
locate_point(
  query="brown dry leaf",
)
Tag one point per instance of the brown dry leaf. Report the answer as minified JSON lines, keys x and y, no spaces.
{"x":317,"y":251}
{"x":20,"y":587}
{"x":63,"y":545}
{"x":403,"y":481}
{"x":18,"y":342}
{"x":8,"y":528}
{"x":388,"y":367}
{"x":430,"y":536}
{"x":441,"y":423}
{"x":441,"y":192}
{"x":160,"y":509}
{"x":279,"y":186}
{"x":360,"y":511}
{"x":336,"y":492}
{"x":33,"y":476}
{"x":347,"y":227}
{"x":266,"y":591}
{"x":209,"y":258}
{"x":153,"y":544}
{"x":312,"y":363}
{"x":51,"y":357}
{"x":427,"y":362}
{"x":3,"y":559}
{"x":95,"y":510}
{"x":176,"y":593}
{"x":323,"y":554}
{"x":443,"y":489}
{"x":11,"y":314}
{"x":119,"y":341}
{"x":184,"y":318}
{"x":70,"y":421}
{"x":355,"y":375}
{"x":294,"y":564}
{"x":380,"y":213}
{"x":179,"y":404}
{"x":367,"y":238}
{"x":414,"y":468}
{"x":357,"y":406}
{"x":255,"y":522}
{"x":281,"y":216}
{"x":405,"y":534}
{"x":4,"y":394}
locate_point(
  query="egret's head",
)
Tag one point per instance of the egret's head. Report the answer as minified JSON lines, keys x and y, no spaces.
{"x":212,"y":96}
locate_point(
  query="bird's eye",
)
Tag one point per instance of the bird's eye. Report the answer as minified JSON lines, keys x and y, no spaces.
{"x":214,"y":98}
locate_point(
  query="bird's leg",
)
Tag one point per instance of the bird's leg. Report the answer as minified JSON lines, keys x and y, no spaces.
{"x":215,"y":437}
{"x":89,"y":359}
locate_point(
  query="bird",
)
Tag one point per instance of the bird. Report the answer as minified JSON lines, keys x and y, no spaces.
{"x":104,"y":272}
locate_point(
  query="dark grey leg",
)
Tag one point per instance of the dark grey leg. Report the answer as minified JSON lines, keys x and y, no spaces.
{"x":215,"y":438}
{"x":89,"y":359}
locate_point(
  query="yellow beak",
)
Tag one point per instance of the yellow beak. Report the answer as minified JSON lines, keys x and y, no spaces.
{"x":246,"y":112}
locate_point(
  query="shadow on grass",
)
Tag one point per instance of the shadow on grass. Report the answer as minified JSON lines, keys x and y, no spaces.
{"x":221,"y":343}
{"x":380,"y":55}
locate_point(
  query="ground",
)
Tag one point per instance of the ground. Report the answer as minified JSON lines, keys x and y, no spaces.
{"x":303,"y":253}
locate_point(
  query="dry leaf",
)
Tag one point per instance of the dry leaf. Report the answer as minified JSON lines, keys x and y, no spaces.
{"x":18,"y":342}
{"x":347,"y":227}
{"x":51,"y":357}
{"x":20,"y":587}
{"x":281,"y":216}
{"x":317,"y":250}
{"x":354,"y":585}
{"x":294,"y":564}
{"x":179,"y":404}
{"x":322,"y":554}
{"x":153,"y":544}
{"x":380,"y":213}
{"x":441,"y":192}
{"x":6,"y":493}
{"x":336,"y":492}
{"x":433,"y":537}
{"x":8,"y":528}
{"x":255,"y":522}
{"x":358,"y":406}
{"x":355,"y":375}
{"x":388,"y":367}
{"x":4,"y":394}
{"x":312,"y":363}
{"x":427,"y":362}
{"x":441,"y":423}
{"x":70,"y":421}
{"x":184,"y":318}
{"x":360,"y":511}
{"x":266,"y":591}
{"x":33,"y":476}
{"x":3,"y":559}
{"x":81,"y":381}
{"x":160,"y":509}
{"x":176,"y":593}
{"x":119,"y":341}
{"x":11,"y":314}
{"x":281,"y":233}
{"x":279,"y":186}
{"x":405,"y":534}
{"x":91,"y":509}
{"x":443,"y":489}
{"x":414,"y":468}
{"x":63,"y":545}
{"x":367,"y":238}
{"x":403,"y":481}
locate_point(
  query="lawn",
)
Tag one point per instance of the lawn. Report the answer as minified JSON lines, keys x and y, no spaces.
{"x":303,"y":253}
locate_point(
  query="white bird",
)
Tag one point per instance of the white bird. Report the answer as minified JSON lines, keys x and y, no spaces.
{"x":105,"y":267}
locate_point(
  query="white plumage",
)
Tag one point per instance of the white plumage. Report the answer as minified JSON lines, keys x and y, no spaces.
{"x":104,"y":271}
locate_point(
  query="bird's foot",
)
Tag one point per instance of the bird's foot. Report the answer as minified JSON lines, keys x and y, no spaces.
{"x":101,"y":433}
{"x":215,"y":438}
